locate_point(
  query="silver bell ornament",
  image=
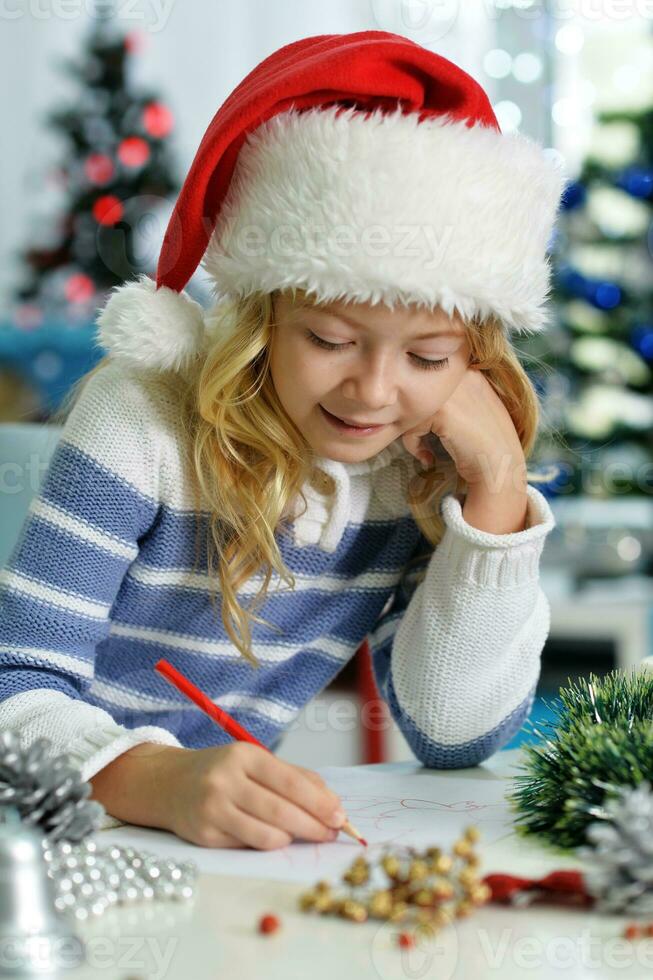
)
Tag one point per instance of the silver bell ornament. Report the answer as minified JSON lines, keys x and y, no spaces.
{"x":48,"y":796}
{"x":35,"y":937}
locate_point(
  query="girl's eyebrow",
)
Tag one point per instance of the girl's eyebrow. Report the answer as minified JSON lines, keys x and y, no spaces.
{"x":356,"y":323}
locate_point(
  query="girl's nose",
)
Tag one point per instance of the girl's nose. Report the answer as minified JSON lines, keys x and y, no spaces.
{"x":372,"y":386}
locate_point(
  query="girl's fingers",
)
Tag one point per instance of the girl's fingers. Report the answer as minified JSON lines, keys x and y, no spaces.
{"x":247,"y":829}
{"x":317,"y":779}
{"x":228,"y":840}
{"x":268,"y":806}
{"x":213,"y":837}
{"x":423,"y":455}
{"x":292,"y":785}
{"x":413,"y":443}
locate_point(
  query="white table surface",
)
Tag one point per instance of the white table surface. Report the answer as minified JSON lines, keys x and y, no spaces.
{"x":215,"y":935}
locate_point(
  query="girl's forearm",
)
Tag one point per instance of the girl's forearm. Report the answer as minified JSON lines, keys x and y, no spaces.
{"x":503,"y":513}
{"x":135,"y":786}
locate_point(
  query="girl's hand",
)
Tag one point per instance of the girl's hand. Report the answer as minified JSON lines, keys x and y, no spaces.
{"x":239,"y":795}
{"x":476,"y":429}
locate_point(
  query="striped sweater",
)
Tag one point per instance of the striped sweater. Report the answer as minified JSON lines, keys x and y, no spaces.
{"x":103,"y":581}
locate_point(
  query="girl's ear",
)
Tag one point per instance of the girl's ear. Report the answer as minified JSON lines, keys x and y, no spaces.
{"x":151,"y":328}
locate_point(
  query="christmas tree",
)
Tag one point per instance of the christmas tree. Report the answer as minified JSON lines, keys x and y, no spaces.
{"x":593,"y":366}
{"x":117,"y":173}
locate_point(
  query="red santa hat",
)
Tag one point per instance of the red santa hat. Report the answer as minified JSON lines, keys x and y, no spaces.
{"x":360,"y":167}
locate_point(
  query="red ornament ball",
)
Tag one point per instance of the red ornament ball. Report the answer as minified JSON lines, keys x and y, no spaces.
{"x":633,"y":931}
{"x":157,"y":120}
{"x":99,"y":168}
{"x":133,"y":151}
{"x":134,"y":42}
{"x":79,"y":288}
{"x":108,"y":210}
{"x":405,"y":940}
{"x":268,"y":923}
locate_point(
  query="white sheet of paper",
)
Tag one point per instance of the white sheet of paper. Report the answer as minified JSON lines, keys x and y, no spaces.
{"x":394,"y":804}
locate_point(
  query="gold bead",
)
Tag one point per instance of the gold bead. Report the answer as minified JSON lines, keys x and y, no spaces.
{"x":442,"y":888}
{"x":424,"y":896}
{"x":400,"y":892}
{"x":433,"y":852}
{"x":354,"y":910}
{"x":463,"y":908}
{"x":468,"y":877}
{"x":358,"y":866}
{"x":322,"y":886}
{"x":472,"y":834}
{"x":418,"y":869}
{"x":462,"y":848}
{"x":481,"y":894}
{"x":355,"y":876}
{"x":390,"y":865}
{"x":323,"y":903}
{"x":399,"y":911}
{"x":443,"y":864}
{"x":473,"y":861}
{"x":380,"y":903}
{"x":306,"y":901}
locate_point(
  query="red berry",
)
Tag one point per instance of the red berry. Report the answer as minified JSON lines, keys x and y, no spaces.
{"x":405,"y":939}
{"x":632,"y":931}
{"x":268,"y":923}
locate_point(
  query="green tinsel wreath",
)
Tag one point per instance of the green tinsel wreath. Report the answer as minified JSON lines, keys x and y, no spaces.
{"x":601,"y":739}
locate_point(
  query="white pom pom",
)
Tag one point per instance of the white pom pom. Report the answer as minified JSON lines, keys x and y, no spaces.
{"x":151,"y":328}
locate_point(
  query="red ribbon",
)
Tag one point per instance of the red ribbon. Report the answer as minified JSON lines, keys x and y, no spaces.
{"x":560,"y":887}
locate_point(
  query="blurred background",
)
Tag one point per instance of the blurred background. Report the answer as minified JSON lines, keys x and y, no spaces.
{"x":106,"y":103}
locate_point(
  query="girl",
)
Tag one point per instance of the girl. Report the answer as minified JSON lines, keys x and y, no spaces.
{"x":373,"y":239}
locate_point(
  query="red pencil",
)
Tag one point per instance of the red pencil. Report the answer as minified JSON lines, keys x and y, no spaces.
{"x":229,"y":724}
{"x":187,"y":687}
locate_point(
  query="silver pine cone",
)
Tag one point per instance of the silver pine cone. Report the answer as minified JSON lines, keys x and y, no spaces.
{"x":46,"y":789}
{"x":621,"y":874}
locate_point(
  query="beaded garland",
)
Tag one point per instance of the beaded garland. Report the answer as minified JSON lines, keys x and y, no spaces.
{"x":90,"y":879}
{"x":429,"y":888}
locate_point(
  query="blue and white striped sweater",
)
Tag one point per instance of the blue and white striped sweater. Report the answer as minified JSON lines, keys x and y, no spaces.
{"x":104,"y":581}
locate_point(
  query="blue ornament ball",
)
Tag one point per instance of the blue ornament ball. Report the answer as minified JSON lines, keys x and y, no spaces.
{"x":641,"y":338}
{"x":573,"y":196}
{"x":636,"y":181}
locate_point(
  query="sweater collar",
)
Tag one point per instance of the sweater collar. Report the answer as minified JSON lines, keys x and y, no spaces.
{"x":332,"y":514}
{"x":382,"y":459}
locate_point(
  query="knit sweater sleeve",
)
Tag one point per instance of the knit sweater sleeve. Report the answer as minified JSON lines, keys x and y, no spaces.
{"x":457,"y":656}
{"x":97,"y":499}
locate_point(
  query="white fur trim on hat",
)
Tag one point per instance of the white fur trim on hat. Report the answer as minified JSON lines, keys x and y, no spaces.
{"x":386,"y":208}
{"x":151,"y":328}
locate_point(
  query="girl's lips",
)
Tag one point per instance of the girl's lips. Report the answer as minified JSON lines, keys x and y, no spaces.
{"x":358,"y":425}
{"x":349,"y":429}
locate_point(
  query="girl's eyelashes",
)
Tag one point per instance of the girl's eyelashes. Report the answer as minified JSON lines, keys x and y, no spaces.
{"x":422,"y":362}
